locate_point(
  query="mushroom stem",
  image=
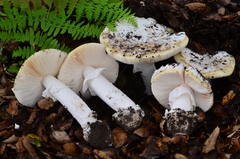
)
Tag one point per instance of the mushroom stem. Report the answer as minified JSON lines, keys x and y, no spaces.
{"x":100,"y":86}
{"x":70,"y":100}
{"x":182,"y":97}
{"x":80,"y":111}
{"x":128,"y":114}
{"x":147,"y":71}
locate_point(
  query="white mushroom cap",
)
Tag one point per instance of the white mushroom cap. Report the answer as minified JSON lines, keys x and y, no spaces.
{"x":150,"y":42}
{"x":168,"y":77}
{"x":90,"y":54}
{"x":27,"y":86}
{"x":210,"y":66}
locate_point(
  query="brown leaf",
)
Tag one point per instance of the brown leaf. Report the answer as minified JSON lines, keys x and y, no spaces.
{"x":196,"y":6}
{"x":72,"y":149}
{"x":101,"y":154}
{"x":151,"y":151}
{"x":32,"y":116}
{"x":3,"y":91}
{"x":180,"y":156}
{"x":232,"y":142}
{"x":227,"y":98}
{"x":46,"y":103}
{"x":178,"y":138}
{"x":11,"y":139}
{"x":2,"y":148}
{"x":29,"y":147}
{"x":120,"y":137}
{"x":13,"y":107}
{"x":60,"y":137}
{"x":143,"y":131}
{"x":211,"y":141}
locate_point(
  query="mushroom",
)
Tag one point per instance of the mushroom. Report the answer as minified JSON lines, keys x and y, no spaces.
{"x":181,"y":89}
{"x":89,"y":70}
{"x":221,"y":64}
{"x":36,"y":78}
{"x":142,"y":46}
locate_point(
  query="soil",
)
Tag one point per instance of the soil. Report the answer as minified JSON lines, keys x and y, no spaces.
{"x":49,"y":131}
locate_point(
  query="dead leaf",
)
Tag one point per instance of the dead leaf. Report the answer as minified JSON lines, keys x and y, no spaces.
{"x":72,"y":149}
{"x":3,"y":91}
{"x":119,"y":136}
{"x":12,"y":107}
{"x":11,"y":139}
{"x":29,"y":147}
{"x":2,"y":148}
{"x":180,"y":156}
{"x":60,"y":137}
{"x":142,"y":131}
{"x":101,"y":154}
{"x":196,"y":6}
{"x":46,"y":103}
{"x":32,"y":116}
{"x":19,"y":145}
{"x":151,"y":151}
{"x":211,"y":141}
{"x":178,"y":138}
{"x":227,"y":98}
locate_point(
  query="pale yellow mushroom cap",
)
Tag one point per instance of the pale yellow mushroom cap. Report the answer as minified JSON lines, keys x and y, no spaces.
{"x":150,"y":42}
{"x":218,"y":65}
{"x":168,"y":77}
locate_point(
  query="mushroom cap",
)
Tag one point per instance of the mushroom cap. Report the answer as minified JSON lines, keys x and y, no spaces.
{"x":90,"y":54}
{"x":150,"y":42}
{"x":28,"y":87}
{"x":218,"y":65}
{"x":168,"y":77}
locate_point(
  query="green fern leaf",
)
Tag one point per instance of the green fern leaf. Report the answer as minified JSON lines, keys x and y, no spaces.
{"x":71,"y":6}
{"x":80,"y":9}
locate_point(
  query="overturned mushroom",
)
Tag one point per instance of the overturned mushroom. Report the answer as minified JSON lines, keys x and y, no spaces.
{"x":89,"y":70}
{"x":181,"y":90}
{"x":210,"y":66}
{"x":36,"y":78}
{"x":142,"y":46}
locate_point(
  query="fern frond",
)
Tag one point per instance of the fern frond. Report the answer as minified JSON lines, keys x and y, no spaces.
{"x":70,"y":7}
{"x":7,"y":8}
{"x":36,"y":23}
{"x":80,"y":9}
{"x":24,"y":52}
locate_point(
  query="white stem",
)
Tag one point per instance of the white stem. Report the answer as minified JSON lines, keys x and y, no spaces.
{"x":182,"y":97}
{"x":70,"y":100}
{"x":147,"y":71}
{"x":100,"y":86}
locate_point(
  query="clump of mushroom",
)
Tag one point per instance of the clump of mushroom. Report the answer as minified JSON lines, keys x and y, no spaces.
{"x":89,"y":70}
{"x":221,"y":64}
{"x":36,"y":78}
{"x":181,"y":89}
{"x":142,"y":46}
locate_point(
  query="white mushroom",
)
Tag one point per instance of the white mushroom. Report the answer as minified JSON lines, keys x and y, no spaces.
{"x":89,"y":70}
{"x":36,"y":78}
{"x":181,"y":90}
{"x":142,"y":46}
{"x":210,"y":66}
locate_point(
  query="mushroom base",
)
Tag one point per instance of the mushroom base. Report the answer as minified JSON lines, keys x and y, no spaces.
{"x":179,"y":121}
{"x":129,"y":118}
{"x":99,"y":135}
